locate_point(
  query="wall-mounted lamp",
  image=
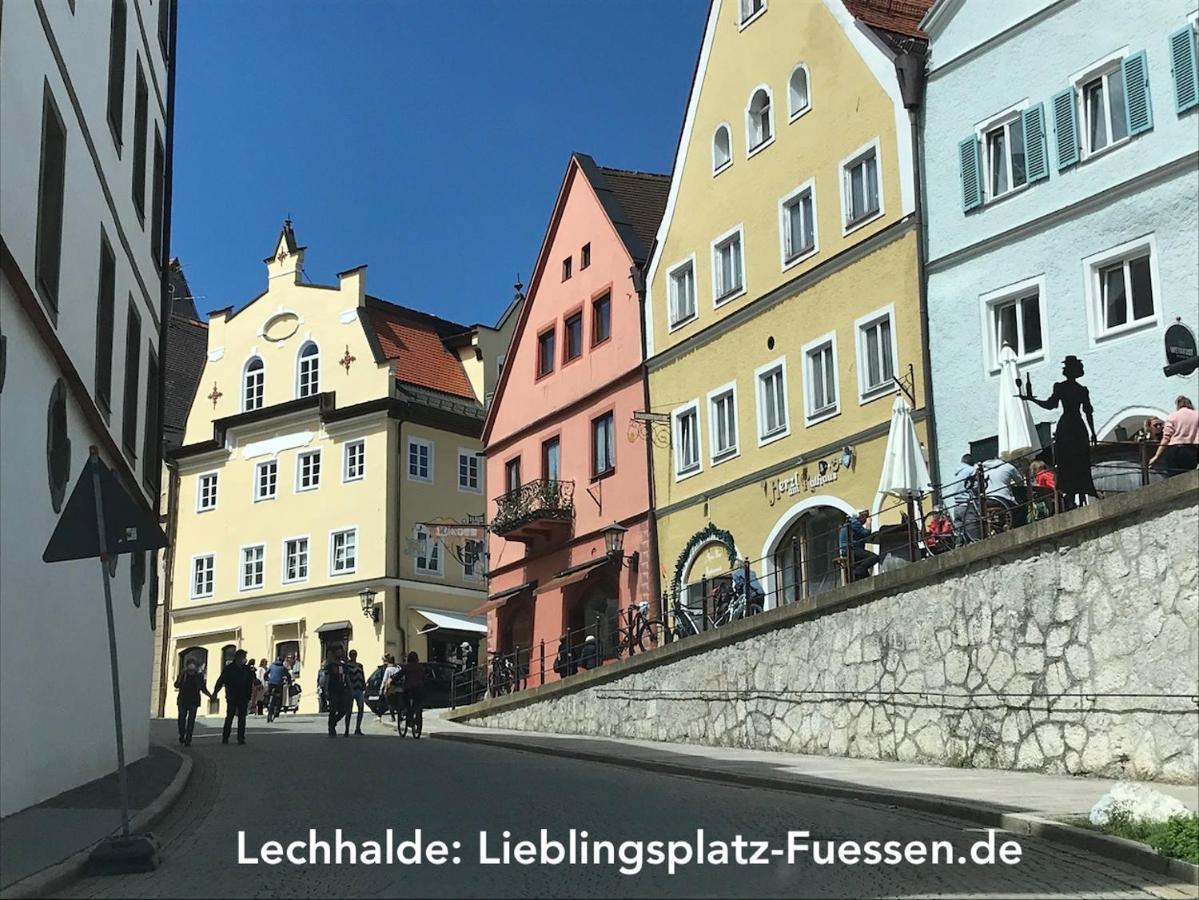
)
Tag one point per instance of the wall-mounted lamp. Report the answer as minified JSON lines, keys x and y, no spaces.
{"x":369,"y":608}
{"x":614,"y":544}
{"x":847,"y":457}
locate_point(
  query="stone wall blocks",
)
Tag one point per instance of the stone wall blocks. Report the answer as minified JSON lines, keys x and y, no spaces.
{"x":1030,"y":660}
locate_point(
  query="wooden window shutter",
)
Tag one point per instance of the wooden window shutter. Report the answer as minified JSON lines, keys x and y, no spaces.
{"x":1065,"y":128}
{"x":972,"y":183}
{"x":1036,"y":152}
{"x":1136,"y":93}
{"x":1185,"y":69}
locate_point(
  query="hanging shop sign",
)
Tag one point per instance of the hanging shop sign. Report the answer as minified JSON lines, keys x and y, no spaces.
{"x":807,"y":479}
{"x":1181,"y":356}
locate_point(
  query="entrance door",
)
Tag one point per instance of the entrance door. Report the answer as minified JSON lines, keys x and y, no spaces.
{"x":335,"y":639}
{"x":804,"y":561}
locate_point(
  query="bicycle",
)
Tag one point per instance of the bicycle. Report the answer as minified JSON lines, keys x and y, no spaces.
{"x":412,"y":717}
{"x":274,"y":702}
{"x":685,"y":623}
{"x":733,"y":604}
{"x":638,"y":631}
{"x":501,"y":678}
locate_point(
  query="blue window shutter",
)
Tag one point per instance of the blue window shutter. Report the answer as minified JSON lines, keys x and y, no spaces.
{"x":972,"y":182}
{"x":1065,"y":128}
{"x":1036,"y":151}
{"x":1185,"y":68}
{"x":1136,"y":93}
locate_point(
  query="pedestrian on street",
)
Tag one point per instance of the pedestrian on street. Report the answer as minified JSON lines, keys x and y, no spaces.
{"x":238,"y":682}
{"x":336,"y":688}
{"x":564,"y":663}
{"x":357,"y":679}
{"x":589,"y":656}
{"x":391,"y":686}
{"x":190,"y":684}
{"x":322,"y":693}
{"x":261,"y":691}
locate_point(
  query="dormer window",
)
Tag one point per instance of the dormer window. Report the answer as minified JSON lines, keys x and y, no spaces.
{"x":757,"y":120}
{"x":308,"y":376}
{"x":253,"y":385}
{"x":722,"y":149}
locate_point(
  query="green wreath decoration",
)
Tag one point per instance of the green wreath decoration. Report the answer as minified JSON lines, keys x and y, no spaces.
{"x":708,"y":533}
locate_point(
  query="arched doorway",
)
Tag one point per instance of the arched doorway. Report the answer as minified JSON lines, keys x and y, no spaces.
{"x":199,"y":654}
{"x":516,"y":635}
{"x":709,"y":569}
{"x":600,"y":616}
{"x":800,"y":552}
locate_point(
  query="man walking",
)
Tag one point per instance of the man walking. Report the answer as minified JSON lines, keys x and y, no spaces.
{"x":238,"y":681}
{"x":357,"y":683}
{"x":190,"y":684}
{"x":336,"y":687}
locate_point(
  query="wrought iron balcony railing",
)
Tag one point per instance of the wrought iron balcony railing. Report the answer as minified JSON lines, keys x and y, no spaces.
{"x":534,"y":503}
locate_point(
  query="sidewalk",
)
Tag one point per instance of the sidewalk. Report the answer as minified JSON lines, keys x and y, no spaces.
{"x":57,"y":829}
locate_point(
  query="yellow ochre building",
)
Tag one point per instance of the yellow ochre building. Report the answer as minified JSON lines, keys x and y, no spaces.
{"x":783,"y":298}
{"x":331,"y":433}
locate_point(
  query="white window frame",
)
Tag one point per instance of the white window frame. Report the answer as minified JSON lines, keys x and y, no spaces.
{"x":811,"y":416}
{"x":242,"y":584}
{"x":300,"y":457}
{"x":360,"y":444}
{"x":201,"y":507}
{"x":259,"y":496}
{"x":671,"y":305}
{"x":676,"y":416}
{"x":286,"y":555}
{"x":1002,"y":119}
{"x":867,"y":392}
{"x":744,"y":21}
{"x":1094,"y":293}
{"x":430,"y":447}
{"x":333,"y":535}
{"x":847,"y":186}
{"x":780,"y":365}
{"x":316,"y":360}
{"x":480,"y":564}
{"x":737,"y":232}
{"x":752,"y":149}
{"x":1104,"y":67}
{"x":470,"y":456}
{"x":808,"y":186}
{"x":211,"y":557}
{"x":718,"y":167}
{"x":715,"y":454}
{"x":992,"y":300}
{"x":245,"y":383}
{"x":792,"y":113}
{"x":435,"y":550}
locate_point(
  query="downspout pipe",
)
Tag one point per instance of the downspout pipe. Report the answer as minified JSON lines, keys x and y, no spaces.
{"x":910,"y":70}
{"x":637,"y":276}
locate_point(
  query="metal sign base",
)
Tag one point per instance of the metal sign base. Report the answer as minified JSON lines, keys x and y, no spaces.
{"x":124,"y":854}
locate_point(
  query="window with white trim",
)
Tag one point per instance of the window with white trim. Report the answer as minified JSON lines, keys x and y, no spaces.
{"x":728,"y":275}
{"x":295,"y":560}
{"x":206,"y":491}
{"x":420,"y":460}
{"x":798,"y":223}
{"x":861,"y":187}
{"x":203,"y":576}
{"x":468,"y":471}
{"x":343,"y":551}
{"x":722,"y":421}
{"x":266,"y":480}
{"x":308,"y":370}
{"x":472,"y":560}
{"x":876,"y":355}
{"x":1016,"y":322}
{"x":354,"y":460}
{"x":1003,"y":145}
{"x":253,"y":385}
{"x":1104,"y":115}
{"x":686,"y":440}
{"x":308,"y":471}
{"x":603,"y":445}
{"x":253,"y":567}
{"x":428,"y":552}
{"x":772,"y":400}
{"x":722,"y":149}
{"x":682,"y":293}
{"x":750,"y":8}
{"x":798,"y":97}
{"x":758,"y":129}
{"x":1123,"y":289}
{"x":821,"y":362}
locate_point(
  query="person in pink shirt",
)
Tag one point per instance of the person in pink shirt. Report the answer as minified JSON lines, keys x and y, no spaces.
{"x":1180,"y":438}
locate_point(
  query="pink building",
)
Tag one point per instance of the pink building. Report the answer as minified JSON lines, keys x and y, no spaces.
{"x":560,"y":465}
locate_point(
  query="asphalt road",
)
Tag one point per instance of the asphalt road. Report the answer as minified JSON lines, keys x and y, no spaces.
{"x":290,"y":779}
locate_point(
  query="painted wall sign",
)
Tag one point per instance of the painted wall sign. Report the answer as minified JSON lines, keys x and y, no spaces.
{"x":808,"y":478}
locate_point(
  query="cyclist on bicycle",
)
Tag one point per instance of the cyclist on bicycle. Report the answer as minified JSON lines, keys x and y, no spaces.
{"x":413,"y":673}
{"x":277,"y":679}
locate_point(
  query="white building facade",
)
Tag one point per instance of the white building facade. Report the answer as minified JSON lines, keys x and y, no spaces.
{"x":85,"y":95}
{"x":1060,"y":141}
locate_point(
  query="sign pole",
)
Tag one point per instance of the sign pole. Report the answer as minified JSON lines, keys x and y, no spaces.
{"x":112,"y":651}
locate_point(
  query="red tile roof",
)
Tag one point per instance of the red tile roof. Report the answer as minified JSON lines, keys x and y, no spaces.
{"x":899,"y":16}
{"x":415,"y":341}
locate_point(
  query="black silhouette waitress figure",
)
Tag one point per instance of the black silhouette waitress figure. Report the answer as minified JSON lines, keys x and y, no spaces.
{"x":1071,"y":441}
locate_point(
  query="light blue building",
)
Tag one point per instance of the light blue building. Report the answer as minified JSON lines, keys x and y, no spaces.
{"x":1060,"y":143}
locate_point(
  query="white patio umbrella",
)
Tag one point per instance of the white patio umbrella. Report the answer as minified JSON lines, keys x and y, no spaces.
{"x":905,"y":473}
{"x":1017,"y":435}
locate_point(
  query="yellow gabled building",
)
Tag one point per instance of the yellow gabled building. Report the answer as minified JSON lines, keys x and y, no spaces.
{"x":784,"y":290}
{"x":330,"y":433}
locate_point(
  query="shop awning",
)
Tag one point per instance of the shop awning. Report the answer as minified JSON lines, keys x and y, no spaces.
{"x":343,"y":625}
{"x":495,"y":601}
{"x":454,"y":621}
{"x":573,"y":574}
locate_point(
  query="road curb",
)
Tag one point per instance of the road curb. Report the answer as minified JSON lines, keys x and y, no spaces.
{"x":1115,"y":848}
{"x":54,"y":878}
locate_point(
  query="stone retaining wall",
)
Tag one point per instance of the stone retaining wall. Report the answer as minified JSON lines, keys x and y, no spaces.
{"x":1070,"y":646}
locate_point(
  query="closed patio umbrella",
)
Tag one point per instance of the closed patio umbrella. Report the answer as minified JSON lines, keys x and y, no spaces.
{"x":1017,"y":435}
{"x":905,"y":473}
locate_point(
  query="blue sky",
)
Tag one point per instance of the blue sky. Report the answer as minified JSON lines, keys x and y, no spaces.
{"x":426,"y":140}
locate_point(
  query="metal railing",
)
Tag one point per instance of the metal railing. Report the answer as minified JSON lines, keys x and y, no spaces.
{"x":534,"y":501}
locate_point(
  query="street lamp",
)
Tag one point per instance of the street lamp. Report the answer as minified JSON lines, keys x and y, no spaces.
{"x":614,"y":544}
{"x":369,"y":609}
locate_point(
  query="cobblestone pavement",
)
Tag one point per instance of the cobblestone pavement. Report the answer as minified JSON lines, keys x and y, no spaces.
{"x":293,"y":778}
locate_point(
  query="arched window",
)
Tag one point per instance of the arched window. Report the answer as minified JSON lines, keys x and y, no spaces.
{"x":308,"y":374}
{"x":757,"y":119}
{"x":799,"y":97}
{"x":253,"y":384}
{"x":722,"y":149}
{"x":804,"y":559}
{"x":199,"y":654}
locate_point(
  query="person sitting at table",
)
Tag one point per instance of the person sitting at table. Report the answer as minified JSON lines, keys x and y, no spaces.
{"x":1180,"y":438}
{"x":853,"y":537}
{"x":1044,"y":482}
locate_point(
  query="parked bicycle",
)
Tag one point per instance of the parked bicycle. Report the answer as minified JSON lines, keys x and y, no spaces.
{"x":501,"y":678}
{"x":638,"y":631}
